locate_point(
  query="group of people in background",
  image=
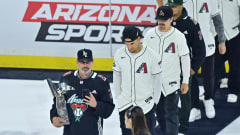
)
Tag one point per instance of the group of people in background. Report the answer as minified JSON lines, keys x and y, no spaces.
{"x":217,"y":24}
{"x":155,"y":76}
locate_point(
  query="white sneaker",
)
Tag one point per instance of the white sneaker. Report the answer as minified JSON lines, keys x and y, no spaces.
{"x":209,"y":108}
{"x":195,"y":114}
{"x":224,"y":83}
{"x":180,"y":134}
{"x":232,"y":98}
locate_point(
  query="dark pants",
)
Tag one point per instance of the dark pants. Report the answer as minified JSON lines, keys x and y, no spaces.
{"x":233,"y":57}
{"x":185,"y":109}
{"x":195,"y":92}
{"x":167,"y":113}
{"x":220,"y":71}
{"x":150,"y":117}
{"x":208,"y":82}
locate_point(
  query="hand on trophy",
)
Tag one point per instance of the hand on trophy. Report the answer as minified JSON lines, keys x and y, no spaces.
{"x":57,"y":121}
{"x":90,"y":100}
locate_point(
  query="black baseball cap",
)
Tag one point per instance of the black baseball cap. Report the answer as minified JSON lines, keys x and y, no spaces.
{"x":84,"y":55}
{"x":131,"y":32}
{"x":164,"y":13}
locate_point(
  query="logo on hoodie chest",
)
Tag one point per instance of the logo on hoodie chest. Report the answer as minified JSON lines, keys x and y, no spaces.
{"x":78,"y":106}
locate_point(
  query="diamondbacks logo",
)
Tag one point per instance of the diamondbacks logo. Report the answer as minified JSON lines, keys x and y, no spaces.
{"x":78,"y":106}
{"x":161,"y":13}
{"x":78,"y":110}
{"x":142,"y":68}
{"x":204,"y":8}
{"x":171,"y":48}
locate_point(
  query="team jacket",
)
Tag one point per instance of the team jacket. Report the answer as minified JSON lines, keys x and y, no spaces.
{"x":202,"y":11}
{"x":191,"y":29}
{"x":230,"y":16}
{"x":137,"y":72}
{"x":170,"y":47}
{"x":85,"y":120}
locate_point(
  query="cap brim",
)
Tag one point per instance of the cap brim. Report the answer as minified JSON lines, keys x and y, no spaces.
{"x":161,"y":18}
{"x":85,"y":59}
{"x":132,"y":39}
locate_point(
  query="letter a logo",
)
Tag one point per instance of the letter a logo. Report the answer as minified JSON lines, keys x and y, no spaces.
{"x":170,"y":48}
{"x":204,"y":8}
{"x":142,"y":68}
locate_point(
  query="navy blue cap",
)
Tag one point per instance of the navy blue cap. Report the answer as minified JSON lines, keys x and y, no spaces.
{"x":164,"y":13}
{"x":84,"y":55}
{"x":131,"y":32}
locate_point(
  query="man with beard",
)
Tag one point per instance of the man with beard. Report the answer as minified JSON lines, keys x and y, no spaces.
{"x":136,"y":78}
{"x":89,"y":103}
{"x":171,"y":44}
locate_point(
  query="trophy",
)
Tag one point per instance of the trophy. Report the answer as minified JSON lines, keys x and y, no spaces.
{"x":60,"y":100}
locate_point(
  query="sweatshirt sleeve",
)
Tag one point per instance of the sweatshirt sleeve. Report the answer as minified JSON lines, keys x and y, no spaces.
{"x":105,"y":105}
{"x":185,"y":59}
{"x":157,"y":83}
{"x":116,"y":84}
{"x":198,"y":48}
{"x":157,"y":80}
{"x":217,"y":21}
{"x":185,"y":62}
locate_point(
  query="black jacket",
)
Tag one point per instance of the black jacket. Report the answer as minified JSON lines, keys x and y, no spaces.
{"x":191,"y":29}
{"x":85,"y":120}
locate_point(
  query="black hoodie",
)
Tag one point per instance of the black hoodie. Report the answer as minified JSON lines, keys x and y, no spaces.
{"x":85,"y":120}
{"x":191,"y":29}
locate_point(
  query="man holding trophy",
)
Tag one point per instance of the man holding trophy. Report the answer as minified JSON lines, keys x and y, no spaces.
{"x":87,"y":99}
